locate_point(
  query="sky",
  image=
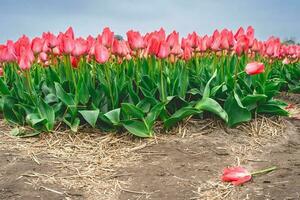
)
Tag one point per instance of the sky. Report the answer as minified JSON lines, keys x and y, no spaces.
{"x":32,"y":17}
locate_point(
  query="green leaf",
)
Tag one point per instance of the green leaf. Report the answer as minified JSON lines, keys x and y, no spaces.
{"x":237,"y":113}
{"x":137,"y":128}
{"x":73,"y":125}
{"x":82,"y":92}
{"x":47,"y":112}
{"x":179,"y":115}
{"x":35,"y":120}
{"x":154,"y":113}
{"x":3,"y":88}
{"x":23,"y":133}
{"x":131,"y":111}
{"x":252,"y":100}
{"x":90,"y":116}
{"x":114,"y":116}
{"x":66,"y":98}
{"x":211,"y":105}
{"x":206,"y":92}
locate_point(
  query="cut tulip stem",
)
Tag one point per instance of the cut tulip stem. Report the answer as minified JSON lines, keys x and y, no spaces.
{"x":264,"y":171}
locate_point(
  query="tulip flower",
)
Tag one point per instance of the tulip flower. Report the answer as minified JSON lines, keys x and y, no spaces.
{"x":107,"y":37}
{"x":239,"y":175}
{"x":101,"y":53}
{"x":254,"y":68}
{"x":164,"y":50}
{"x":74,"y":61}
{"x":68,"y":44}
{"x":173,"y":39}
{"x":43,"y":56}
{"x":26,"y":58}
{"x":52,"y":41}
{"x":236,"y":175}
{"x":37,"y":45}
{"x":239,"y":33}
{"x":135,"y":40}
{"x":153,"y":47}
{"x":7,"y":52}
{"x":1,"y":71}
{"x":70,"y":33}
{"x":80,"y":47}
{"x":187,"y":53}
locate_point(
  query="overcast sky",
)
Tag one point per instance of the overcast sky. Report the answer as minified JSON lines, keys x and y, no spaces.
{"x":32,"y":17}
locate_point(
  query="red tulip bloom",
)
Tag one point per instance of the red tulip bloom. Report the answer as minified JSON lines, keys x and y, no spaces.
{"x":1,"y":71}
{"x":101,"y":53}
{"x":7,"y":52}
{"x":135,"y":40}
{"x":70,"y":33}
{"x":254,"y":68}
{"x":239,"y":33}
{"x":164,"y":50}
{"x":80,"y":47}
{"x":153,"y":47}
{"x":22,"y":42}
{"x":176,"y":50}
{"x":187,"y":53}
{"x":43,"y":57}
{"x":107,"y":37}
{"x":68,"y":44}
{"x":173,"y":39}
{"x":74,"y":62}
{"x":26,"y":58}
{"x":37,"y":45}
{"x":236,"y":175}
{"x":52,"y":40}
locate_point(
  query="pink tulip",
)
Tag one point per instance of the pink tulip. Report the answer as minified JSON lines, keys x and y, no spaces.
{"x":193,"y":39}
{"x":37,"y":45}
{"x":74,"y":61}
{"x":101,"y":53}
{"x":173,"y":39}
{"x":43,"y":57}
{"x":22,"y":42}
{"x":68,"y":44}
{"x":250,"y":35}
{"x":26,"y":58}
{"x":240,"y":32}
{"x":1,"y":71}
{"x":176,"y":50}
{"x":7,"y":52}
{"x":164,"y":50}
{"x":107,"y":37}
{"x":153,"y":47}
{"x":52,"y":41}
{"x":70,"y":33}
{"x":236,"y":175}
{"x":120,"y":48}
{"x":216,"y":42}
{"x":254,"y":68}
{"x":80,"y":47}
{"x":135,"y":40}
{"x":187,"y":53}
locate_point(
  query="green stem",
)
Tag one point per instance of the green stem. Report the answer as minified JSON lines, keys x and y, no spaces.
{"x":162,"y":81}
{"x":264,"y":171}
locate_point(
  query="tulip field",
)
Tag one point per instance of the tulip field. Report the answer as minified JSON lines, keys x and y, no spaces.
{"x":133,"y":84}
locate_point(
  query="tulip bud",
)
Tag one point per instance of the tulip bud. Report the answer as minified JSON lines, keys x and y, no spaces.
{"x":254,"y":68}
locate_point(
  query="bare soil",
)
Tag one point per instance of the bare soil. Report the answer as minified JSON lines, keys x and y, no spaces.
{"x":184,"y":164}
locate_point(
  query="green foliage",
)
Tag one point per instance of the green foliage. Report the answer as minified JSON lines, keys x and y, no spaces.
{"x":137,"y":93}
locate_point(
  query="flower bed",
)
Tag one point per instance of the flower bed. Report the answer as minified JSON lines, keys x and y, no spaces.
{"x":114,"y":84}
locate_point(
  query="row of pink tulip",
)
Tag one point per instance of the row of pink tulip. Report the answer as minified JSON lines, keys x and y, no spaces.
{"x":106,"y":46}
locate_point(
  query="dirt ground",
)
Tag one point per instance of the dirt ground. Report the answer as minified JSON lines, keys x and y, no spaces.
{"x":183,"y":164}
